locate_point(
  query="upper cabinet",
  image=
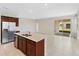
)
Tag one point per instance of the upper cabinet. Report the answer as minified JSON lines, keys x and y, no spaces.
{"x":10,"y":19}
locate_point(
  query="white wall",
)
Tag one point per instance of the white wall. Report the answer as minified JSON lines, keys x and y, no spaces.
{"x":0,"y":29}
{"x":74,"y":27}
{"x":46,"y":26}
{"x":26,"y":25}
{"x":78,"y":27}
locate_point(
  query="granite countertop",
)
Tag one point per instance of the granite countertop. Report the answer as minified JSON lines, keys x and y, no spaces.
{"x":35,"y":36}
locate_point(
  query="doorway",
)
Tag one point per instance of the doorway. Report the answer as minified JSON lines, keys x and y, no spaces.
{"x":62,"y":27}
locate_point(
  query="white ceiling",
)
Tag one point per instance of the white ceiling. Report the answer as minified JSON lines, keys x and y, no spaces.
{"x":40,"y":10}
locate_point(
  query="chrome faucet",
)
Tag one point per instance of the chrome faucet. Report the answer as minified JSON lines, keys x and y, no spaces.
{"x":29,"y":33}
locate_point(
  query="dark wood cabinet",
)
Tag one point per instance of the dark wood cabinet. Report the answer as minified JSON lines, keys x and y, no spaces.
{"x":40,"y":48}
{"x":31,"y":48}
{"x":20,"y":43}
{"x":24,"y":46}
{"x":16,"y":41}
{"x":10,"y":19}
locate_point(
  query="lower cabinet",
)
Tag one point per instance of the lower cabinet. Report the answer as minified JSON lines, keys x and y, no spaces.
{"x":24,"y":46}
{"x":31,"y":48}
{"x":20,"y":43}
{"x":16,"y":41}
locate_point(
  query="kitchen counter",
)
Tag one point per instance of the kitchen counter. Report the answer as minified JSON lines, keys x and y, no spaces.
{"x":35,"y":36}
{"x":30,"y":45}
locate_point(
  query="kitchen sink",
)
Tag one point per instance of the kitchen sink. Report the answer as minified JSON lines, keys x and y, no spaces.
{"x":26,"y":35}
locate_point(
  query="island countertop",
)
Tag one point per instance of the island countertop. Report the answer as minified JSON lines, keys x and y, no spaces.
{"x":35,"y":36}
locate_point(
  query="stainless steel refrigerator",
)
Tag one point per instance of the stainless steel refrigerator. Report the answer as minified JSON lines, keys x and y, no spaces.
{"x":8,"y":30}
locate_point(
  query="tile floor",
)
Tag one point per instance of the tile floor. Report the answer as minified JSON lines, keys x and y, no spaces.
{"x":62,"y":46}
{"x":56,"y":46}
{"x":9,"y":50}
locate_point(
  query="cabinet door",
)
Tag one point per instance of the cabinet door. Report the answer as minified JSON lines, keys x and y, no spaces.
{"x":31,"y":48}
{"x":24,"y":46}
{"x":15,"y":41}
{"x":40,"y":48}
{"x":20,"y":43}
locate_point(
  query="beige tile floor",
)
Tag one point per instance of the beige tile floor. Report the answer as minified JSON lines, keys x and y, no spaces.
{"x":62,"y":46}
{"x":56,"y":46}
{"x":9,"y":50}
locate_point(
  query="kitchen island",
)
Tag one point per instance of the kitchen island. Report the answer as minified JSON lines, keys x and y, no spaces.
{"x":30,"y":45}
